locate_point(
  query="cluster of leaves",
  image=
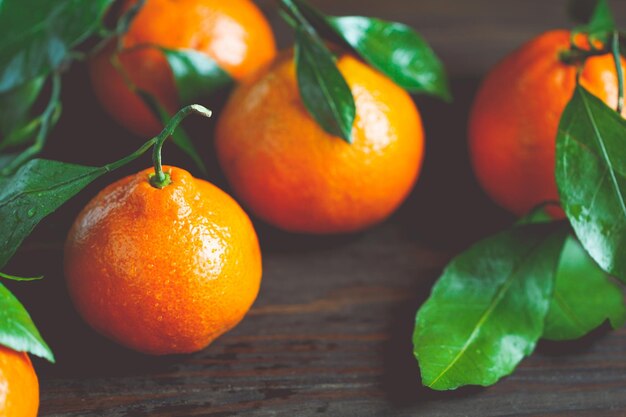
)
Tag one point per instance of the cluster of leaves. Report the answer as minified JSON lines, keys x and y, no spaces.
{"x":496,"y":300}
{"x":39,"y":42}
{"x":42,"y":40}
{"x":196,"y":76}
{"x":393,"y":48}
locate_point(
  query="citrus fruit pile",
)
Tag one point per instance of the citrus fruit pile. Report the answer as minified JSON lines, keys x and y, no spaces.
{"x":321,"y":138}
{"x":165,"y":263}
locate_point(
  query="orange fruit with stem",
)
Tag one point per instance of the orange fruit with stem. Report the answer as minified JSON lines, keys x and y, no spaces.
{"x":160,"y":261}
{"x":19,"y":387}
{"x":162,"y":271}
{"x":294,"y":175}
{"x":234,"y":33}
{"x":515,"y":117}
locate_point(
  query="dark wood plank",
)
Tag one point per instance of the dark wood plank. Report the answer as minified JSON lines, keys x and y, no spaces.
{"x":330,"y":333}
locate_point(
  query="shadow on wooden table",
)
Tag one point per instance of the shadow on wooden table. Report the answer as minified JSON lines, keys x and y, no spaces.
{"x":448,"y":209}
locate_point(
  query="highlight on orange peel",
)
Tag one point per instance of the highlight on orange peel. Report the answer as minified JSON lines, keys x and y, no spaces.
{"x":288,"y":171}
{"x":162,"y":271}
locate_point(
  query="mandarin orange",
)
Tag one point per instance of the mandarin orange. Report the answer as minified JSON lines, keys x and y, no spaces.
{"x":234,"y":33}
{"x":162,"y":271}
{"x":19,"y":387}
{"x":515,"y":117}
{"x":294,"y":175}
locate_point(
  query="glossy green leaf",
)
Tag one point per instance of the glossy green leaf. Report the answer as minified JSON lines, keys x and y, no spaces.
{"x":16,"y":278}
{"x":536,"y":215}
{"x":584,"y":297}
{"x":41,"y":186}
{"x":179,"y":137}
{"x":596,"y":15}
{"x":486,"y":312}
{"x":37,"y":189}
{"x":197,"y":75}
{"x":17,"y":330}
{"x":35,"y":130}
{"x":602,"y":18}
{"x":393,"y":48}
{"x":16,"y":104}
{"x":591,"y":177}
{"x":397,"y":51}
{"x":324,"y":91}
{"x":36,"y":36}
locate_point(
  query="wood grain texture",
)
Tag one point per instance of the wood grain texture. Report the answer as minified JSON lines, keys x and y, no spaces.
{"x":330,"y":334}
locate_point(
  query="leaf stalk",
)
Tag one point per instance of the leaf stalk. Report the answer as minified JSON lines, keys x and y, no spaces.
{"x":160,"y":179}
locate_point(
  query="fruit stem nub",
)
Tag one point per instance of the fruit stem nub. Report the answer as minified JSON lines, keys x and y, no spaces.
{"x":161,"y":179}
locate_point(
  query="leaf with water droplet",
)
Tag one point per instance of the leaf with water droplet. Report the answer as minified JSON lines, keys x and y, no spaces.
{"x":37,"y":189}
{"x":41,"y":186}
{"x":591,"y":177}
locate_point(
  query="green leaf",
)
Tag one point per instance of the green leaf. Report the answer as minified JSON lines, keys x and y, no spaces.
{"x":179,"y":137}
{"x":16,"y":278}
{"x":486,"y":312}
{"x":324,"y":91}
{"x":36,"y":36}
{"x":584,"y":297}
{"x":37,"y":189}
{"x":602,"y":18}
{"x":397,"y":51}
{"x":197,"y":75}
{"x":16,"y":104}
{"x":37,"y":129}
{"x":41,"y":186}
{"x":596,"y":15}
{"x":17,"y":330}
{"x":538,"y":214}
{"x":591,"y":177}
{"x":393,"y":48}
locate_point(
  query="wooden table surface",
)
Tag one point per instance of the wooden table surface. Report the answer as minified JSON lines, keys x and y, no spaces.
{"x":330,"y":333}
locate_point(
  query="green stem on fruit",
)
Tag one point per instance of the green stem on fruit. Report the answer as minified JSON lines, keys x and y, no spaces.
{"x":619,"y":71}
{"x":576,"y":55}
{"x":161,"y":179}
